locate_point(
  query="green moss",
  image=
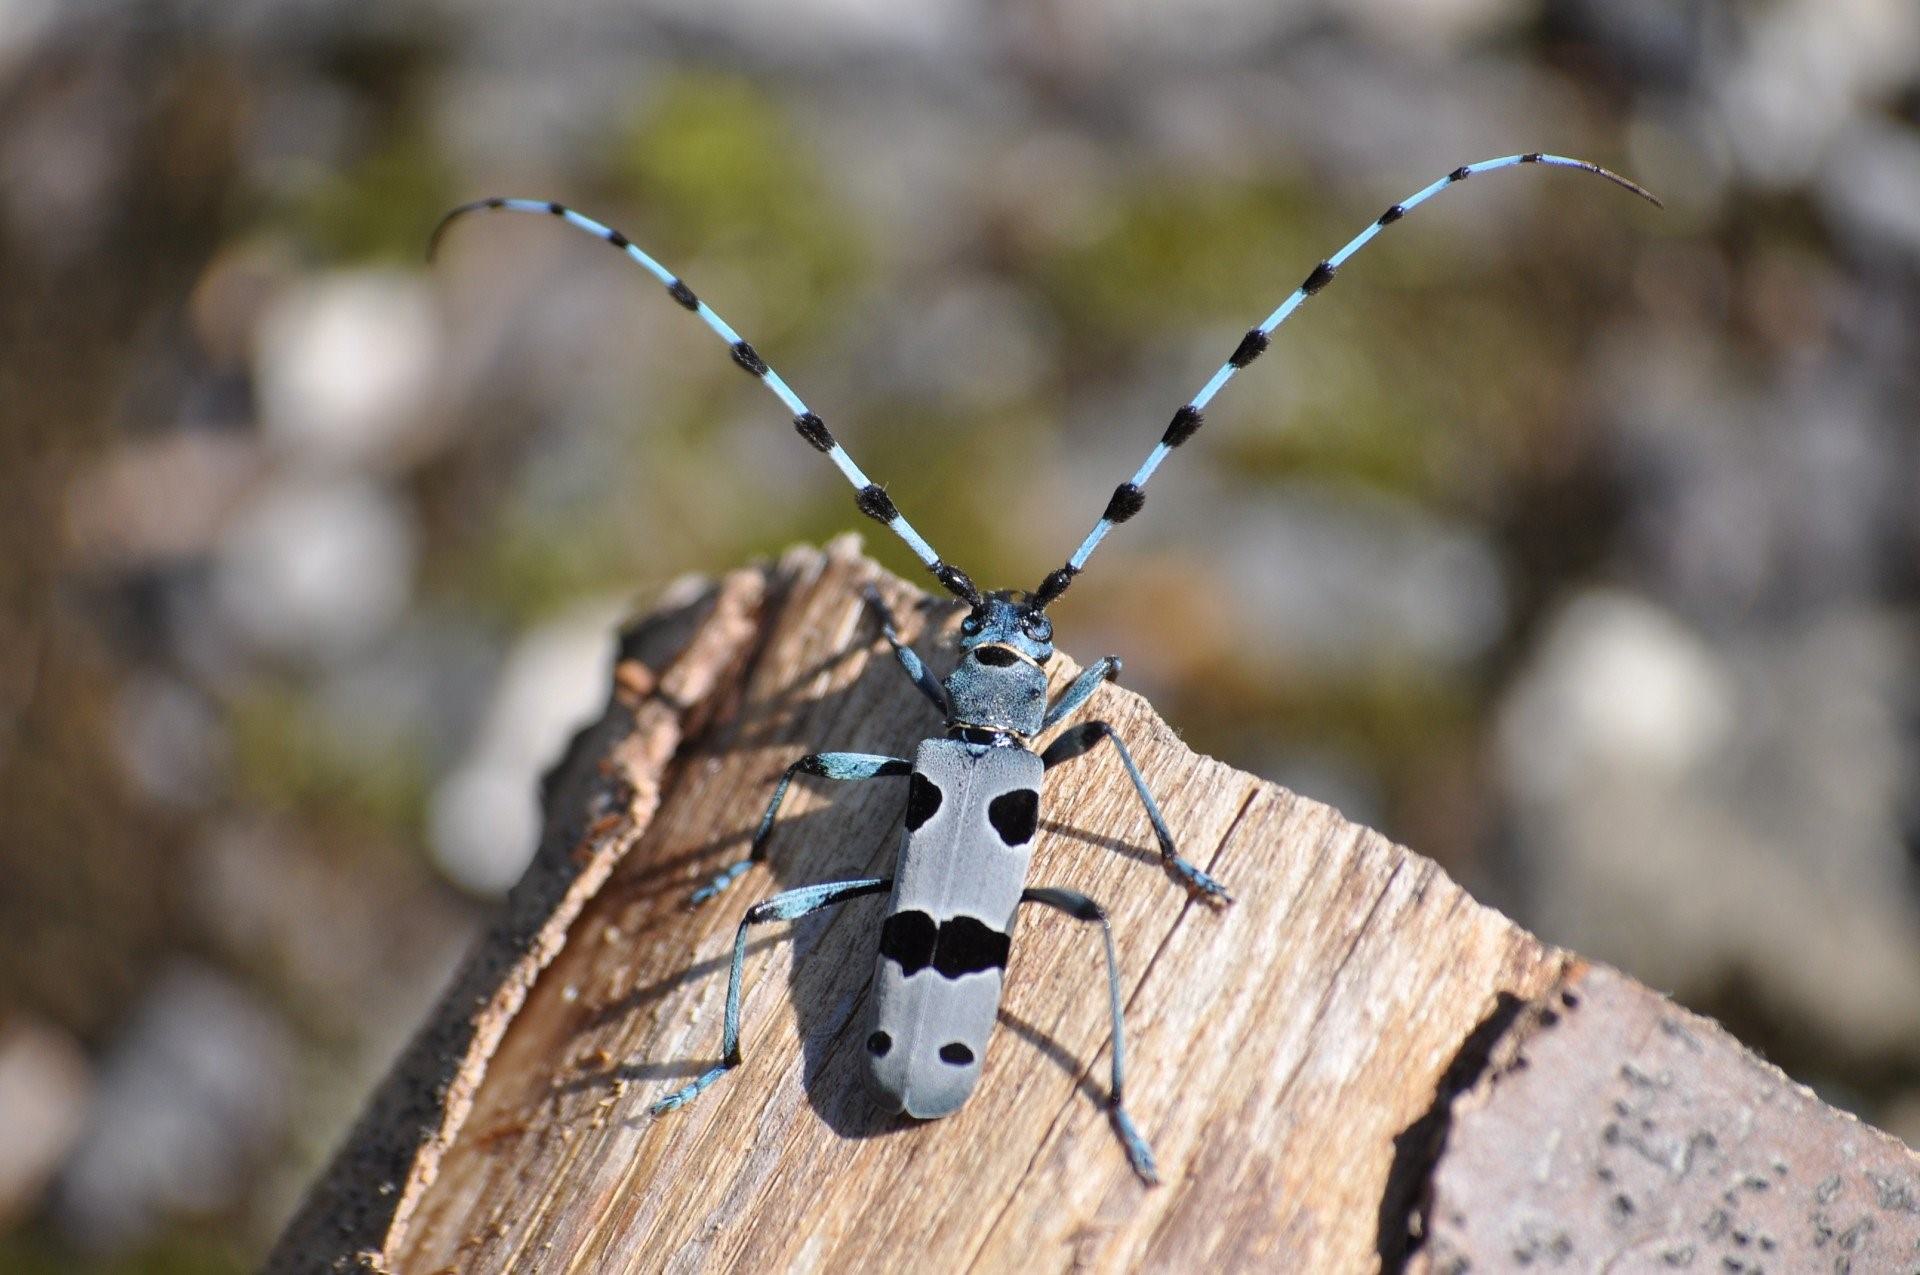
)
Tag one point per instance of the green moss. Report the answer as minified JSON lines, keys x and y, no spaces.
{"x":286,"y":760}
{"x":1409,"y":384}
{"x":183,"y":1252}
{"x":379,"y":208}
{"x":956,"y":476}
{"x":1172,"y":254}
{"x":715,"y":170}
{"x":525,"y":574}
{"x":1412,"y":364}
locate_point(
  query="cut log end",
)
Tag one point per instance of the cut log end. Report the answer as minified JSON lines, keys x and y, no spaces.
{"x":1335,"y":1072}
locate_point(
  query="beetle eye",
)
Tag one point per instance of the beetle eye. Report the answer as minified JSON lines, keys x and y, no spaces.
{"x":1038,"y":627}
{"x":970,"y":626}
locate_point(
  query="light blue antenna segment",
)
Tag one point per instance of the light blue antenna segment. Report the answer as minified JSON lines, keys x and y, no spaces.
{"x":1255,"y":341}
{"x":872,"y":500}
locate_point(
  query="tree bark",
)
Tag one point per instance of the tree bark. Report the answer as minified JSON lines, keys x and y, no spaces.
{"x":1353,"y":1067}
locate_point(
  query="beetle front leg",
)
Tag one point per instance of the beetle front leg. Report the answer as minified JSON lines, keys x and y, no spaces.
{"x":1078,"y":740}
{"x":1104,"y":669}
{"x":909,"y":658}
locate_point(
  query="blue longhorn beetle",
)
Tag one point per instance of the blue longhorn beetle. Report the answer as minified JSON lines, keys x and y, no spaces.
{"x":973,"y":792}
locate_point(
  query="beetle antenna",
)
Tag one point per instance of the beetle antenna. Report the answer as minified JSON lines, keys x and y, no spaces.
{"x":868,"y":495}
{"x":1130,"y":496}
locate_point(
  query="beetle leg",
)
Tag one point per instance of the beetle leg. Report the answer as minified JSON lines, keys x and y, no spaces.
{"x":1082,"y":908}
{"x":787,"y":906}
{"x":1078,"y":740}
{"x":845,"y":766}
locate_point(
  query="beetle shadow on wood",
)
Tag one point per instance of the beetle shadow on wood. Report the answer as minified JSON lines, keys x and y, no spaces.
{"x":850,"y":831}
{"x":854,"y":831}
{"x":1102,"y":841}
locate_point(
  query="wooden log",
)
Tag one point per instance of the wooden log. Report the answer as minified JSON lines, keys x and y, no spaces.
{"x":1338,"y":1073}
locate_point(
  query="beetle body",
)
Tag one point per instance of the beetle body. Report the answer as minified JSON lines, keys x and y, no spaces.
{"x":971,"y":813}
{"x":973,"y":795}
{"x":973,"y":804}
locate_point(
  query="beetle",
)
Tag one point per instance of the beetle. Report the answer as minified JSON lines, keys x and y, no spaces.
{"x":973,"y":791}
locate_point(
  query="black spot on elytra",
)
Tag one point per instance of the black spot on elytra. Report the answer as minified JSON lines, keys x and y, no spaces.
{"x":1014,"y":815}
{"x":957,"y":947}
{"x":878,"y":1044}
{"x":923,"y":800}
{"x":907,"y":939}
{"x":968,"y":946}
{"x":955,"y":1054}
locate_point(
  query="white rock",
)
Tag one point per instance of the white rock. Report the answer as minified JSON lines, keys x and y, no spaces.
{"x":191,"y":1097}
{"x":43,"y":1104}
{"x":1617,"y":685}
{"x":169,"y":739}
{"x":1702,"y":816}
{"x":316,"y":567}
{"x":1348,"y":578}
{"x":1794,"y":74}
{"x":1872,"y":185}
{"x":346,"y":366}
{"x":484,"y":819}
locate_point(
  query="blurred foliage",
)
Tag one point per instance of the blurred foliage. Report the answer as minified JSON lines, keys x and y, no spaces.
{"x":179,"y":1253}
{"x":720,"y":173}
{"x":1171,"y":253}
{"x":287,"y":762}
{"x":374,"y":209}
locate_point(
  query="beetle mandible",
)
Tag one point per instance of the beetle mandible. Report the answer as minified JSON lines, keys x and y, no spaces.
{"x":973,"y":792}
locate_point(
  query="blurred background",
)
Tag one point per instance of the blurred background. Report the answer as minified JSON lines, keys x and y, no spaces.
{"x":1571,"y":543}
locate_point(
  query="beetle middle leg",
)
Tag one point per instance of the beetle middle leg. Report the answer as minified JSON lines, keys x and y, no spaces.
{"x":789,"y":905}
{"x":1078,"y":740}
{"x":1082,"y":908}
{"x":844,"y":766}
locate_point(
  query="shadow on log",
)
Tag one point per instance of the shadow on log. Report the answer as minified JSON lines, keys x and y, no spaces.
{"x":1355,"y":1067}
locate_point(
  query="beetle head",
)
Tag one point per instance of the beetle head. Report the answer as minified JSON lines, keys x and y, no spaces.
{"x":1006,"y":622}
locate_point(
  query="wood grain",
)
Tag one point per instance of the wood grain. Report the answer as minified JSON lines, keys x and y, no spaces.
{"x":1615,"y":1131}
{"x":1295,"y":1058}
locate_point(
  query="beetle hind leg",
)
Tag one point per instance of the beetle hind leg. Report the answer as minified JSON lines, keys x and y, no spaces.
{"x":1082,"y":908}
{"x":787,"y":906}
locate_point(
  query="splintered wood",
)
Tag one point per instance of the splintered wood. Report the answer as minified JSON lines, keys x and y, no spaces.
{"x":1304,"y":1061}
